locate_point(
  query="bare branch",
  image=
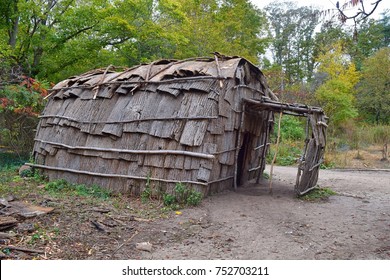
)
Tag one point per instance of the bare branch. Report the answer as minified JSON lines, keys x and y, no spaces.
{"x":361,"y":14}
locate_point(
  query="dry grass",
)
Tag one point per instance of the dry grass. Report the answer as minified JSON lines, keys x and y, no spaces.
{"x":369,"y":157}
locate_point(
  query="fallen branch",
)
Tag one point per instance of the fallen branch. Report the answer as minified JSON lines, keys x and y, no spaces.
{"x":22,"y":249}
{"x":127,"y":242}
{"x":100,"y":210}
{"x":132,"y":218}
{"x":7,"y":222}
{"x":98,"y":226}
{"x":351,"y":195}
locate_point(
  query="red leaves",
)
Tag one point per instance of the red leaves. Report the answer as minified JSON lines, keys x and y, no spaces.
{"x":34,"y":85}
{"x":26,"y":111}
{"x":25,"y":98}
{"x":4,"y":102}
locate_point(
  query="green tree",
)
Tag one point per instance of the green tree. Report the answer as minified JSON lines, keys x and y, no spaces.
{"x":373,"y":97}
{"x":39,"y":31}
{"x":368,"y":37}
{"x":337,"y":94}
{"x":200,"y":27}
{"x":293,"y":44}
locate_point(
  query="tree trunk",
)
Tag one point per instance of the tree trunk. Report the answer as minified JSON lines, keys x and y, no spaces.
{"x":13,"y":33}
{"x":12,"y":16}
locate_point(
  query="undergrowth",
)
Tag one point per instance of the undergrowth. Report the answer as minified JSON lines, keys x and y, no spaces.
{"x":62,"y":187}
{"x":318,"y":194}
{"x":180,"y":197}
{"x":12,"y":161}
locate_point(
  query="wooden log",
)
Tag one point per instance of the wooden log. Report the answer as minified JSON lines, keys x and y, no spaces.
{"x":173,"y":152}
{"x":22,"y":249}
{"x":279,"y":107}
{"x":110,"y":175}
{"x":7,"y":222}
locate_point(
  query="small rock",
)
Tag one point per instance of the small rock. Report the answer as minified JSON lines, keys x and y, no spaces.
{"x":195,"y":228}
{"x":25,"y":171}
{"x":144,"y":246}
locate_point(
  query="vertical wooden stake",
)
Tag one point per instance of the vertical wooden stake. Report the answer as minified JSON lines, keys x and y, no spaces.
{"x":276,"y":153}
{"x":263,"y":153}
{"x":240,"y":130}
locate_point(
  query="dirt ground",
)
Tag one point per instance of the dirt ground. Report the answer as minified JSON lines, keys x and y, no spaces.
{"x":247,"y":224}
{"x":252,"y":224}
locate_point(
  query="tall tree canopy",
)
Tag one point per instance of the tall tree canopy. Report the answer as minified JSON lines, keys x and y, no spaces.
{"x":52,"y":39}
{"x":374,"y":89}
{"x":293,"y":39}
{"x":337,"y":94}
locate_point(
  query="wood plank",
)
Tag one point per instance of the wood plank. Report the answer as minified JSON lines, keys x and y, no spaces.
{"x":224,"y":108}
{"x":203,"y":174}
{"x":217,"y":126}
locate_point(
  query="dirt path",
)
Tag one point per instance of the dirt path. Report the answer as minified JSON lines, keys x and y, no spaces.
{"x":252,"y":224}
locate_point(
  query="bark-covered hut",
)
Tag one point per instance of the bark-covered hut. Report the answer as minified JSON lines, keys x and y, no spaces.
{"x":204,"y":122}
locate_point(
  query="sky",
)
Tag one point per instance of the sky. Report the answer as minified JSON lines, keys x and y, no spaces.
{"x":330,"y":4}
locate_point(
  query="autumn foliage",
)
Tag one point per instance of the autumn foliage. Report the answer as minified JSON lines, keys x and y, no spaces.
{"x":25,"y":98}
{"x":21,"y":101}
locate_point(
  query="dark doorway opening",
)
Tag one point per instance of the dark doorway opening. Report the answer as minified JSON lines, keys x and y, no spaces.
{"x":242,"y":158}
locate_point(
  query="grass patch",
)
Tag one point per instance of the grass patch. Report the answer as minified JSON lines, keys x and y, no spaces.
{"x":12,"y":161}
{"x":318,"y":194}
{"x":62,"y":187}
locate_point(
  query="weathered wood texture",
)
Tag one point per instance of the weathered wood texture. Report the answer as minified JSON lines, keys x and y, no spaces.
{"x":173,"y":121}
{"x":313,"y":154}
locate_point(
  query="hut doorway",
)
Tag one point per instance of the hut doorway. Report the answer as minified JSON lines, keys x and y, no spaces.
{"x":242,"y":158}
{"x":313,"y":152}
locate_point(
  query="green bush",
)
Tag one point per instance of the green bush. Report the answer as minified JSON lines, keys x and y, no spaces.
{"x":194,"y":198}
{"x":182,"y":196}
{"x":168,"y":199}
{"x":292,"y":128}
{"x":288,"y":153}
{"x":180,"y":192}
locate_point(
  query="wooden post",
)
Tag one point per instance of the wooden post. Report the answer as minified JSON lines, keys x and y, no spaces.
{"x":276,"y":152}
{"x":240,"y":130}
{"x":263,"y":154}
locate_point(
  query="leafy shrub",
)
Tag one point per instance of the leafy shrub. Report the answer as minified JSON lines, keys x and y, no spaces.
{"x":291,"y":128}
{"x":146,"y":194}
{"x":288,"y":154}
{"x":168,"y":199}
{"x":182,"y":196}
{"x":180,"y":192}
{"x":194,"y":198}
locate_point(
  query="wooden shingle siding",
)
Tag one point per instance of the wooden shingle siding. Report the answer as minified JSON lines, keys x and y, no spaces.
{"x":172,"y":121}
